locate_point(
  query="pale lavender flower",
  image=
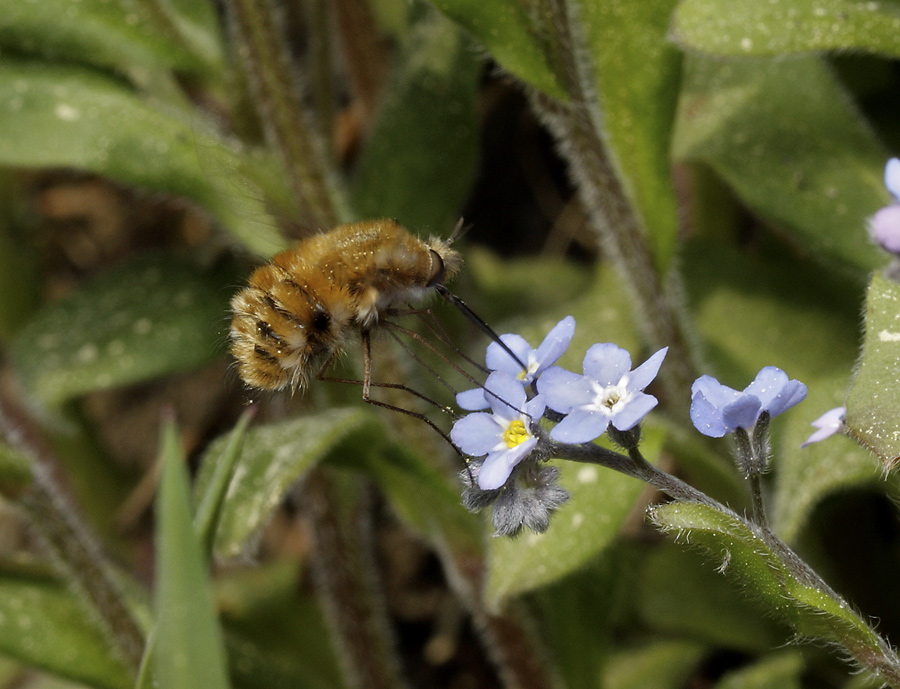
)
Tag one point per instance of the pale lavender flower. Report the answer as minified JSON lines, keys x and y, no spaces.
{"x":829,"y":423}
{"x":609,"y":392}
{"x":884,"y":227}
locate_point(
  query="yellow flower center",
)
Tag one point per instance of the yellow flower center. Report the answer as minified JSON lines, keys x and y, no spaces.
{"x":516,"y":434}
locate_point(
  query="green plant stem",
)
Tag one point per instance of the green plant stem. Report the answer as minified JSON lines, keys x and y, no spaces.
{"x":69,"y":541}
{"x":273,"y":79}
{"x":577,"y":127}
{"x":882,"y":661}
{"x":346,"y":581}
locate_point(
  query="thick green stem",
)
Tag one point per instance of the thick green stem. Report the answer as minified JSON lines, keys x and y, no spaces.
{"x":576,"y":126}
{"x":264,"y":55}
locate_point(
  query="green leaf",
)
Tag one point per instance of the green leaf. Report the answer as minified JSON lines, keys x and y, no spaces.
{"x":189,"y":651}
{"x":272,"y":459}
{"x":776,"y":28}
{"x":770,"y":309}
{"x":155,"y":315}
{"x":275,"y":632}
{"x":659,"y":665}
{"x":635,"y":65}
{"x":505,"y":30}
{"x":44,"y":624}
{"x":580,"y":530}
{"x":786,"y":137}
{"x":117,"y":35}
{"x":419,"y":162}
{"x":805,"y":476}
{"x":873,"y":405}
{"x":682,"y":597}
{"x":766,"y":577}
{"x":778,"y":671}
{"x":63,"y":116}
{"x":222,"y":463}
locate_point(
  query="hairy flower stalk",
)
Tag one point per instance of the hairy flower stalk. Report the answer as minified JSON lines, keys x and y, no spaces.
{"x":577,"y":128}
{"x":273,"y":78}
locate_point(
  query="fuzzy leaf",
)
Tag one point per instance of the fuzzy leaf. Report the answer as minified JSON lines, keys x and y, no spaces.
{"x":272,"y":459}
{"x":63,"y":116}
{"x":504,"y":28}
{"x":766,"y":578}
{"x":786,"y":137}
{"x":873,"y":405}
{"x":582,"y":528}
{"x":776,"y":28}
{"x":108,"y":34}
{"x":419,"y":162}
{"x":189,"y":651}
{"x":155,"y":315}
{"x":44,"y":624}
{"x":683,"y":597}
{"x":633,"y":65}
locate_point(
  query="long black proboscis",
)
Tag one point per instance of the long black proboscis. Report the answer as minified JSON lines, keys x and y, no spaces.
{"x":480,"y":324}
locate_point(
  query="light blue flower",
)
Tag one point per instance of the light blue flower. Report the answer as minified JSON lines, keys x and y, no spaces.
{"x":717,"y":409}
{"x":504,"y":435}
{"x":609,"y":392}
{"x":536,"y":360}
{"x":829,"y":423}
{"x":884,"y":227}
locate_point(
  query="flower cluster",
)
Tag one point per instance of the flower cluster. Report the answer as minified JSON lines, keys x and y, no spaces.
{"x":884,"y":227}
{"x":508,"y":446}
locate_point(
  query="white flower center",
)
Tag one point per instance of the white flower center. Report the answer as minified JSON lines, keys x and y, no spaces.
{"x":611,"y":398}
{"x":527,"y":373}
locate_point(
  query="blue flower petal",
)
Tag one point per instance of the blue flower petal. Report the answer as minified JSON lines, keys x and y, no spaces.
{"x":555,"y":344}
{"x":476,"y":434}
{"x":892,"y":177}
{"x":631,"y":414}
{"x":606,"y":363}
{"x":714,"y":392}
{"x":497,"y":359}
{"x":742,"y":413}
{"x":792,"y":393}
{"x":828,"y":424}
{"x":498,"y":466}
{"x":580,"y":426}
{"x":534,"y":408}
{"x":564,"y":390}
{"x":644,"y":374}
{"x":472,"y":400}
{"x":505,"y":394}
{"x":706,"y":416}
{"x":767,"y":384}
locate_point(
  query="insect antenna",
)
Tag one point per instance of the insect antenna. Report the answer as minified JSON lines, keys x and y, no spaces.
{"x":477,"y":321}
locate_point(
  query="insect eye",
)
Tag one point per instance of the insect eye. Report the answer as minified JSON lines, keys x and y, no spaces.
{"x":437,"y":269}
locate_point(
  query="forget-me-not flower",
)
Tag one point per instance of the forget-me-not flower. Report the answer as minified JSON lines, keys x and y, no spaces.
{"x":884,"y":227}
{"x":717,"y":409}
{"x":505,"y":434}
{"x":609,"y":392}
{"x":536,"y":360}
{"x":828,"y":424}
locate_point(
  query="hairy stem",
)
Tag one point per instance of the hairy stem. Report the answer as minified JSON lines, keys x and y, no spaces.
{"x":264,"y":55}
{"x":576,"y":125}
{"x":74,"y":549}
{"x":346,"y":581}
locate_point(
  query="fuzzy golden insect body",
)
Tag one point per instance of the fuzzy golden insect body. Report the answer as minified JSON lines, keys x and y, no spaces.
{"x":298,"y":310}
